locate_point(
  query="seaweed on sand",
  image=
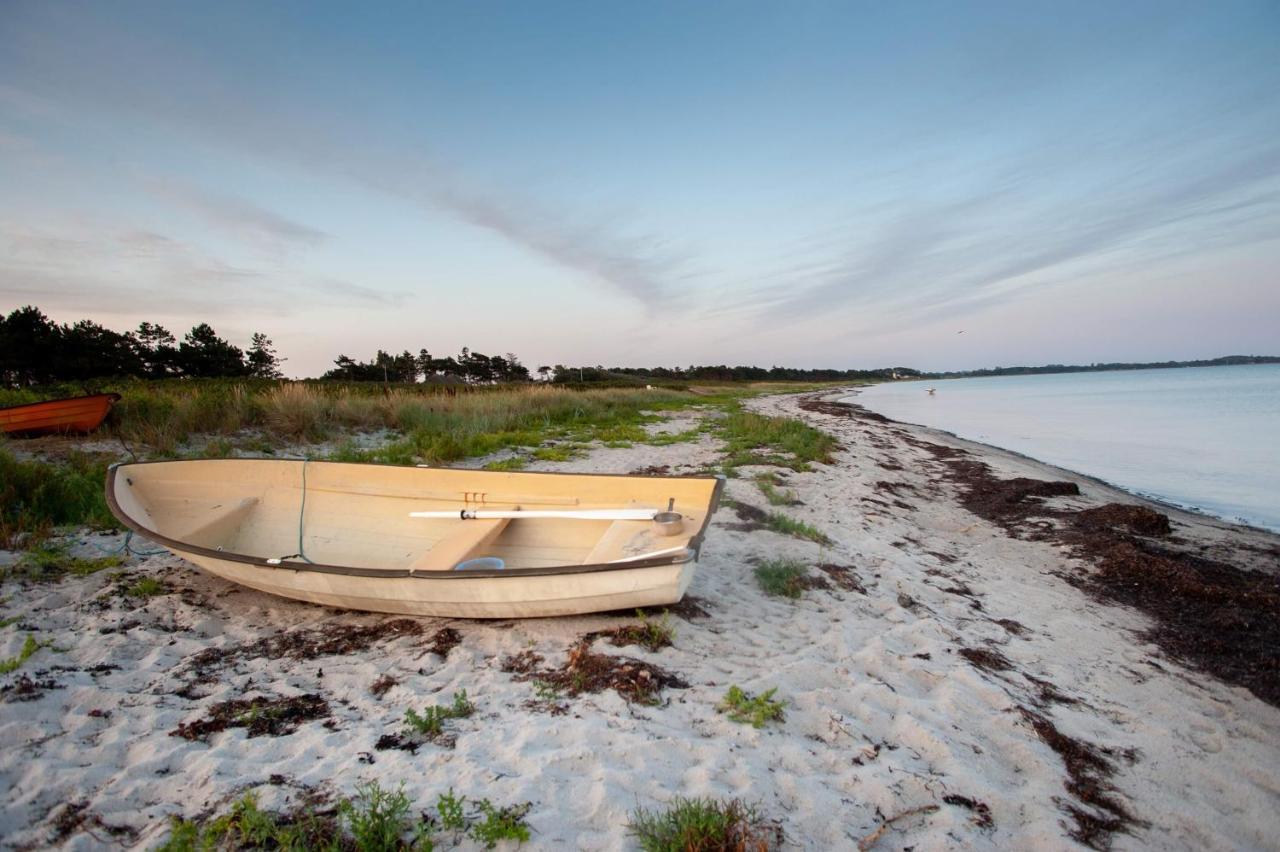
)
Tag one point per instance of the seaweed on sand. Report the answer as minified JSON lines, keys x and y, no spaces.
{"x":1088,"y":768}
{"x":844,"y":576}
{"x":259,"y":716}
{"x":988,"y":659}
{"x":333,"y":639}
{"x":586,"y":671}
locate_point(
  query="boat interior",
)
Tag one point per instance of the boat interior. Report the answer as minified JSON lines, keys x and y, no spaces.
{"x":357,"y":515}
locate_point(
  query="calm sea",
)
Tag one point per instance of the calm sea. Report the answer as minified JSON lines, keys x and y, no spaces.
{"x":1206,"y":438}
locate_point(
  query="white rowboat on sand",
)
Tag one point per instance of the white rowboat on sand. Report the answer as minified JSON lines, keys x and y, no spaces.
{"x":346,"y":535}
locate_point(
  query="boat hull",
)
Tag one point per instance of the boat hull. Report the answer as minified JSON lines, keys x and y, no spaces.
{"x":345,"y":535}
{"x":526,"y":597}
{"x":57,"y":416}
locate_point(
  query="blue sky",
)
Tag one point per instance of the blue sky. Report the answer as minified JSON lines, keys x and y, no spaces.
{"x":810,"y":184}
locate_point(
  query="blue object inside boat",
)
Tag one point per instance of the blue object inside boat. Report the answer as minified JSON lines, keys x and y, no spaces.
{"x":482,"y":563}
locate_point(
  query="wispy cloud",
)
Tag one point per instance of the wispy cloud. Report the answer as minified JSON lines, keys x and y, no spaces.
{"x":348,"y":292}
{"x":148,"y":70}
{"x":240,"y":217}
{"x":84,"y":266}
{"x":645,"y":268}
{"x":948,"y":260}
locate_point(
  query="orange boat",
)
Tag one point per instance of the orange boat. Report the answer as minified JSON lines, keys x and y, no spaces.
{"x":57,"y":416}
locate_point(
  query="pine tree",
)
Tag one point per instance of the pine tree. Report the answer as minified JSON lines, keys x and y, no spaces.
{"x":262,"y":359}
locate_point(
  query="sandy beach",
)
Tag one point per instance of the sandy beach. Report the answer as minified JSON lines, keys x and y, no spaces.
{"x":952,"y":679}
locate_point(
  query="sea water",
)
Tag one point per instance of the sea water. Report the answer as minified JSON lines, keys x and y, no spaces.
{"x":1205,"y":438}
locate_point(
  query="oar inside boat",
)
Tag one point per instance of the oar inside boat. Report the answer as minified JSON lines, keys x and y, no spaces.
{"x":568,"y":514}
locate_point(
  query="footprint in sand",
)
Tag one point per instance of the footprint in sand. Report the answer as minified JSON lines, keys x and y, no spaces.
{"x":1206,"y":737}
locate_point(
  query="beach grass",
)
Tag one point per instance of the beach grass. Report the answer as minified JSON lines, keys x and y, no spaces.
{"x":768,"y":484}
{"x":781,"y":577}
{"x":702,"y":825}
{"x":755,"y":710}
{"x":146,"y":587}
{"x":36,"y":496}
{"x":787,"y":525}
{"x":754,"y":439}
{"x":374,"y":820}
{"x":12,"y":664}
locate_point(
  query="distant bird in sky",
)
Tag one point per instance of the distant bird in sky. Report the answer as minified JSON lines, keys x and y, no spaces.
{"x":960,"y":332}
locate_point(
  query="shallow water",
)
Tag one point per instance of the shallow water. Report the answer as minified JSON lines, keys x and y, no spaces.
{"x":1206,"y":438}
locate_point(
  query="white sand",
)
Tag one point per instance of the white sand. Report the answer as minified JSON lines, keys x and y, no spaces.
{"x":883,"y":716}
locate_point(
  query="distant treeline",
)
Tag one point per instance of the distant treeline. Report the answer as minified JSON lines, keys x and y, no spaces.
{"x":1226,"y":361}
{"x":722,"y":373}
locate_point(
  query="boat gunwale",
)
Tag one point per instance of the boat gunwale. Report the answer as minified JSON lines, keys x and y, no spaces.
{"x":693,"y":547}
{"x":113,"y":398}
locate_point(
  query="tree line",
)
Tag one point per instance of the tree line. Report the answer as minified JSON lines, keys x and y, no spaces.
{"x":467,"y":367}
{"x":723,"y":373}
{"x":35,"y":350}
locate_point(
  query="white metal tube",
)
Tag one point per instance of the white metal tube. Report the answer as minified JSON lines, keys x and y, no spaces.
{"x":570,"y":514}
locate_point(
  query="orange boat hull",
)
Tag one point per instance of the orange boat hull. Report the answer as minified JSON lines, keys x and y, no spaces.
{"x":57,"y":416}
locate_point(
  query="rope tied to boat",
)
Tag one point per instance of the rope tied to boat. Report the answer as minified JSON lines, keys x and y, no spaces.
{"x":302,"y":510}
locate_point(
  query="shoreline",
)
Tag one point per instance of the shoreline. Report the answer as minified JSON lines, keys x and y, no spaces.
{"x":935,"y":668}
{"x":1165,"y":504}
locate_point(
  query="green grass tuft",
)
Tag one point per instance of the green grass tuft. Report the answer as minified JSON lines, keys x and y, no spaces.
{"x":512,"y":463}
{"x":430,"y":723}
{"x":780,"y":523}
{"x":146,"y":587}
{"x":29,"y":647}
{"x":50,"y":561}
{"x":557,"y":453}
{"x":754,"y":709}
{"x":767,"y":483}
{"x":702,"y":825}
{"x":781,"y":577}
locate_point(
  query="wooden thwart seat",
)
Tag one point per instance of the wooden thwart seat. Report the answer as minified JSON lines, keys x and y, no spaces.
{"x":466,"y":540}
{"x":612,"y":544}
{"x":205,"y":525}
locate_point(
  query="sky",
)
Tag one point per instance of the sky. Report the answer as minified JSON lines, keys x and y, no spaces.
{"x":812,"y":184}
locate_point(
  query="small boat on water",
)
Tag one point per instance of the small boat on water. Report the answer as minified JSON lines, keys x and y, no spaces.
{"x":57,"y":416}
{"x":425,"y":541}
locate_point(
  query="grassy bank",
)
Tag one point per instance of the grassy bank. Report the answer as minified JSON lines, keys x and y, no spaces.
{"x":36,"y":497}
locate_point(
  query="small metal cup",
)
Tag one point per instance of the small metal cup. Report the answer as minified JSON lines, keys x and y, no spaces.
{"x":668,"y":523}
